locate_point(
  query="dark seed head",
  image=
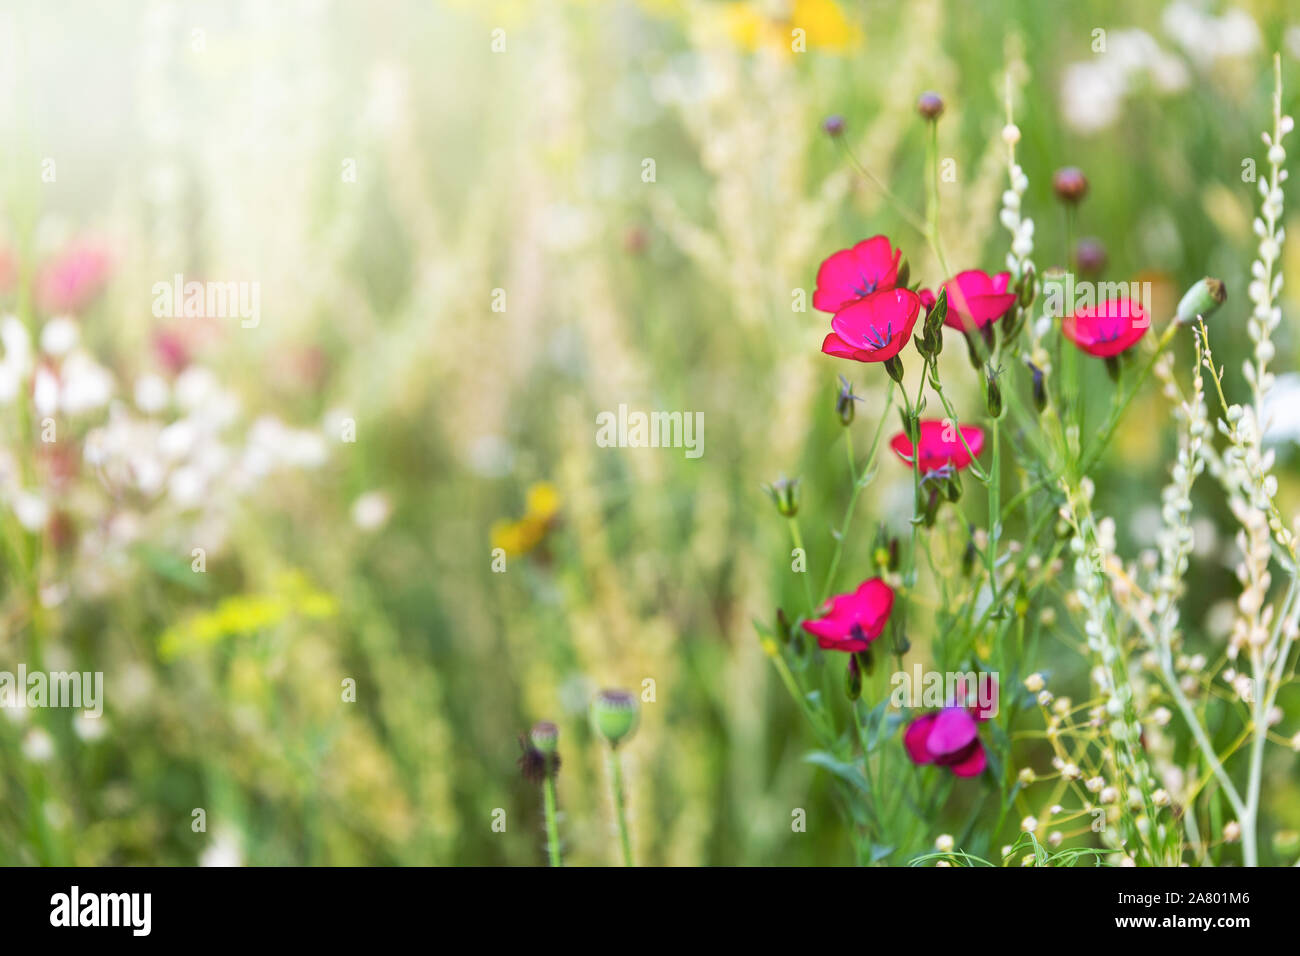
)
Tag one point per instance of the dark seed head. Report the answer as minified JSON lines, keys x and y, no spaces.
{"x":1070,"y":184}
{"x":930,"y":105}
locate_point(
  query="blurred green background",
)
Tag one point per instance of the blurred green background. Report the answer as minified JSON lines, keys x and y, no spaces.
{"x":391,"y":171}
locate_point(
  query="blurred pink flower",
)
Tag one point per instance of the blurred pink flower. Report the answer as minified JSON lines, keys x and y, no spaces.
{"x":72,"y":279}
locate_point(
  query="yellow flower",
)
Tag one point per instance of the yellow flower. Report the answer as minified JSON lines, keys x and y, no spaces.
{"x":825,"y":28}
{"x":248,"y":614}
{"x":542,"y":501}
{"x":541,"y":505}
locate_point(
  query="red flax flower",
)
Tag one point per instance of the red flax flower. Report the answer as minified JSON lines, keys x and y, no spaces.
{"x":1107,"y":329}
{"x":852,"y":274}
{"x":949,"y":738}
{"x":850,"y":622}
{"x":875,"y":328}
{"x":941,"y":447}
{"x":976,"y":298}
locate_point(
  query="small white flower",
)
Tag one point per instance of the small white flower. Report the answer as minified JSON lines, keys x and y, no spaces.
{"x":30,"y":509}
{"x":944,"y":843}
{"x":371,"y":511}
{"x":86,"y":385}
{"x":38,"y":745}
{"x":222,"y":851}
{"x":89,"y":728}
{"x":151,"y":394}
{"x":59,"y":336}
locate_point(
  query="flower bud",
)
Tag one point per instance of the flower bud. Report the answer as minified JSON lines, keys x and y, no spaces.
{"x":853,"y":679}
{"x":1027,"y":287}
{"x":1201,"y":300}
{"x":782,"y":626}
{"x":969,"y":555}
{"x":844,"y":402}
{"x":938,"y":311}
{"x":614,"y":714}
{"x":1039,"y":387}
{"x":930,"y":105}
{"x":1090,"y":256}
{"x":894,"y":367}
{"x":1070,"y":184}
{"x":931,"y":509}
{"x":993,"y":394}
{"x":833,"y":125}
{"x":952,"y":488}
{"x":784,"y":492}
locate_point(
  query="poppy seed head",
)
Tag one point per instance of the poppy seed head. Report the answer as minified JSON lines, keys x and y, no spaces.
{"x":1070,"y":184}
{"x":614,"y":714}
{"x":930,"y":105}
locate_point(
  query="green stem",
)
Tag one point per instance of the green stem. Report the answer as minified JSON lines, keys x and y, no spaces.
{"x":1118,"y":410}
{"x":853,"y":496}
{"x":933,"y":230}
{"x":995,"y":511}
{"x":620,"y":806}
{"x":552,"y":824}
{"x":797,"y":537}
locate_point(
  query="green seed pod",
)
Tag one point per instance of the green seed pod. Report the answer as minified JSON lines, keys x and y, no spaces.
{"x":614,"y":715}
{"x":1201,"y":300}
{"x":545,"y":736}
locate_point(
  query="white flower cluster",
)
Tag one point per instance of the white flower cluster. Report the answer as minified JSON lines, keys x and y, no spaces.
{"x":1175,"y":539}
{"x":1093,"y":547}
{"x":193,"y":457}
{"x":62,"y":379}
{"x":156,"y":450}
{"x":1265,"y":283}
{"x":1093,"y":90}
{"x":1020,"y":227}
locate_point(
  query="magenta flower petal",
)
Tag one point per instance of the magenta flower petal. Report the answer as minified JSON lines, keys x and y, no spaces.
{"x":940,"y":446}
{"x":972,"y":765}
{"x":1107,"y":329}
{"x":878,"y":326}
{"x":850,"y":622}
{"x":834,"y":345}
{"x":954,"y":729}
{"x":852,"y":274}
{"x":916,"y":737}
{"x":975,"y":299}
